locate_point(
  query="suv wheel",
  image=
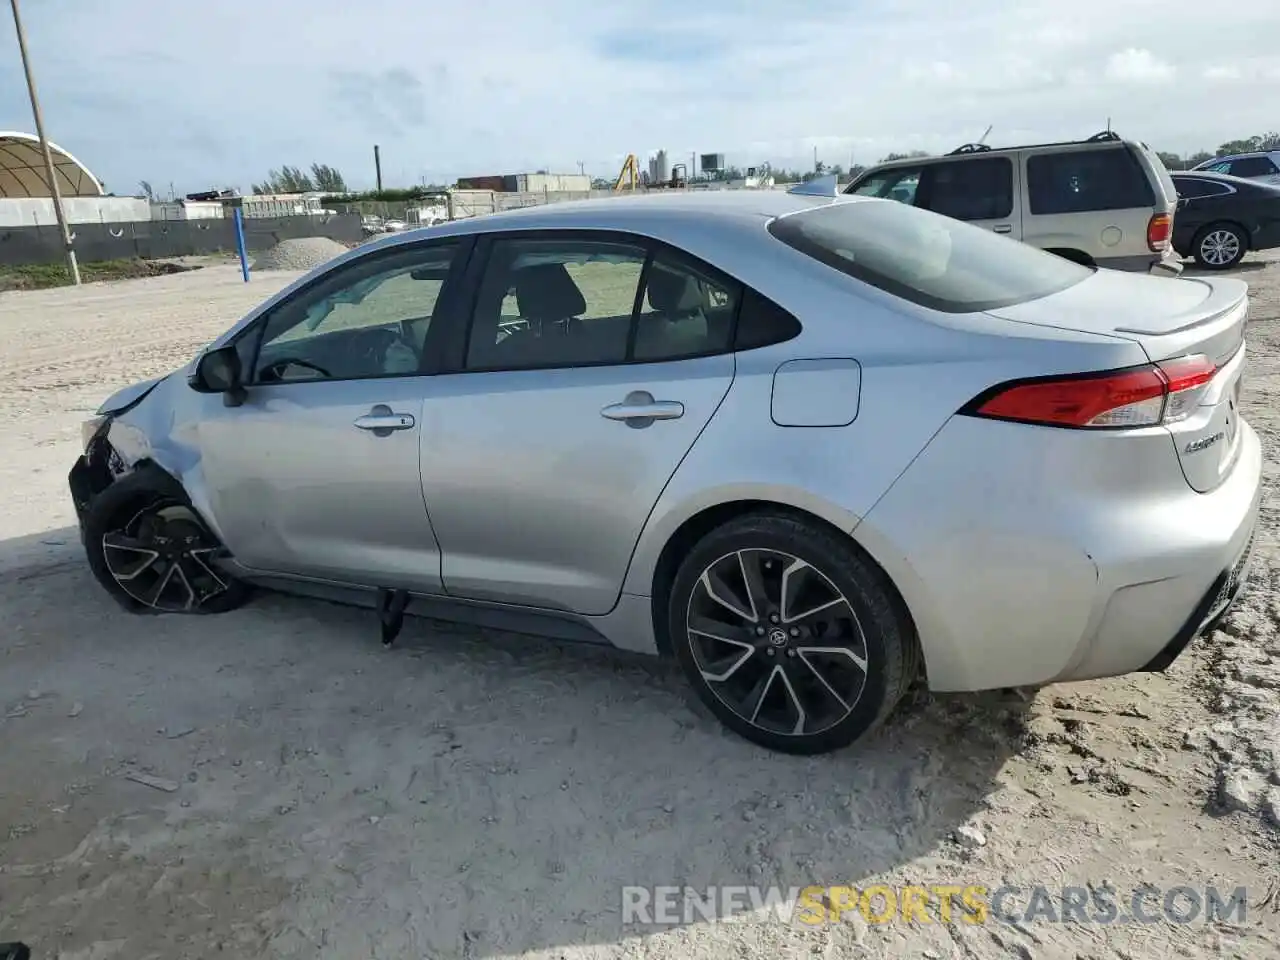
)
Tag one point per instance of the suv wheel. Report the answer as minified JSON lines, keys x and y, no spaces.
{"x":789,"y":634}
{"x":1220,"y":246}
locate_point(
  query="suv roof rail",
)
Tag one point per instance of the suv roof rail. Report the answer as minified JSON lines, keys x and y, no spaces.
{"x":1105,"y":136}
{"x":969,"y":148}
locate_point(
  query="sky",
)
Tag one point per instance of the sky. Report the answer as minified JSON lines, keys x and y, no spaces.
{"x":202,"y":95}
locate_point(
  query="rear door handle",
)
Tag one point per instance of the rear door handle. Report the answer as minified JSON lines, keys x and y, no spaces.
{"x":640,"y":409}
{"x":382,"y":421}
{"x":1003,"y":228}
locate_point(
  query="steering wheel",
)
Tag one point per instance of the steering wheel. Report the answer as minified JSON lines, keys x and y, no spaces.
{"x":275,"y":369}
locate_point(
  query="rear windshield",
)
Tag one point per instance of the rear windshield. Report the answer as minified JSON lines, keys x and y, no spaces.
{"x":932,"y":260}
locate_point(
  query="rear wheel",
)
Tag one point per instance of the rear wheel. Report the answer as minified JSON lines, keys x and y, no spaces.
{"x":151,"y":551}
{"x":789,"y":634}
{"x":1220,"y":246}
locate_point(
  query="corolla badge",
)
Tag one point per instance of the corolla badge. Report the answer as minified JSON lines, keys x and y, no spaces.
{"x":1195,"y":446}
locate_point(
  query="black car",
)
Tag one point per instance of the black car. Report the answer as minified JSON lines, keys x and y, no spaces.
{"x":1220,"y":218}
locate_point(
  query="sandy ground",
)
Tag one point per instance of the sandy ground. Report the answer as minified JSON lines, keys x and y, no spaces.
{"x":484,"y":795}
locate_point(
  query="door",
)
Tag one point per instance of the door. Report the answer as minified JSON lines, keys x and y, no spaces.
{"x":591,"y":365}
{"x":978,"y":190}
{"x":316,"y":473}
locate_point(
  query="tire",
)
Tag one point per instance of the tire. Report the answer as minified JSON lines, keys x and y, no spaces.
{"x":810,"y":694}
{"x":146,"y":502}
{"x":1220,"y":246}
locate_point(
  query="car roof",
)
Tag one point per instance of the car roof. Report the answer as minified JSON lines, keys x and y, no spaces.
{"x":638,"y":214}
{"x":1239,"y":183}
{"x":1235,"y":156}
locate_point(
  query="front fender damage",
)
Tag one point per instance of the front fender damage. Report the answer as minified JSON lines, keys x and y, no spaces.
{"x":139,"y":432}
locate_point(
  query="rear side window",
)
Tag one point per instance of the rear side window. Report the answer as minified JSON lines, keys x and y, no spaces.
{"x":1082,"y":181}
{"x":969,"y":189}
{"x":761,"y":322}
{"x":1253,"y":167}
{"x":934,"y":261}
{"x":1193,"y":188}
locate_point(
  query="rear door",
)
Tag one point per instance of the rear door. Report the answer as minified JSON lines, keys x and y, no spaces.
{"x":979,"y":190}
{"x":591,"y":363}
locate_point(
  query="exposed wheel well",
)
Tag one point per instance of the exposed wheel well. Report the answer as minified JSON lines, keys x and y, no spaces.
{"x":700,"y":524}
{"x":1075,"y":256}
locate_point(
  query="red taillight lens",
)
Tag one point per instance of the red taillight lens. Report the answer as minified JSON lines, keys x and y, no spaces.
{"x":1159,"y":230}
{"x":1137,"y":397}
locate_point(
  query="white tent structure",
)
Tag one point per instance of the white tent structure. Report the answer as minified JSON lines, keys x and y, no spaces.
{"x":22,"y":171}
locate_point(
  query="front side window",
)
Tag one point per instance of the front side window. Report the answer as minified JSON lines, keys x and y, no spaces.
{"x":369,"y":318}
{"x":897,"y":183}
{"x":1084,"y":181}
{"x":979,"y":189}
{"x":931,"y":260}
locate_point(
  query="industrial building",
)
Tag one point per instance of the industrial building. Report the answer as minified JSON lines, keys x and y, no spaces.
{"x":25,"y":199}
{"x":529,"y":183}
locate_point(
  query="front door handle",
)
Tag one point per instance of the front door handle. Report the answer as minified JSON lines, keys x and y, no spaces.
{"x":1003,"y":228}
{"x":382,"y":421}
{"x":639,"y":409}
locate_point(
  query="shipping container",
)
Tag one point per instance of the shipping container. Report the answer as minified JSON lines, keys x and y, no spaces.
{"x":482,"y":183}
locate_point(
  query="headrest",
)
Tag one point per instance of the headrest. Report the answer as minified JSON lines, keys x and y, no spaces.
{"x":672,"y":293}
{"x":547,"y":292}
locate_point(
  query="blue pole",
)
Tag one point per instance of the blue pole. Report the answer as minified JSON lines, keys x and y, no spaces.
{"x":238,"y":217}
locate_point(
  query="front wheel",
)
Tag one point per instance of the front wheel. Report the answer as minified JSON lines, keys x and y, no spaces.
{"x":1220,"y":246}
{"x":789,"y":634}
{"x":151,"y":551}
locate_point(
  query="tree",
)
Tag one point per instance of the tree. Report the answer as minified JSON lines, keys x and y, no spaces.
{"x":1172,"y":161}
{"x":328,"y":178}
{"x":146,"y":190}
{"x":1265,"y":141}
{"x":285,"y":180}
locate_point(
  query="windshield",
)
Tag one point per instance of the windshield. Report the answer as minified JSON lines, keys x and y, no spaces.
{"x":932,"y":260}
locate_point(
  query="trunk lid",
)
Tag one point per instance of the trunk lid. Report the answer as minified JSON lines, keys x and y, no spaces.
{"x":1169,"y":319}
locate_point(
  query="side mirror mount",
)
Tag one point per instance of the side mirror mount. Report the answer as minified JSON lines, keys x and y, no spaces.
{"x":218,"y":371}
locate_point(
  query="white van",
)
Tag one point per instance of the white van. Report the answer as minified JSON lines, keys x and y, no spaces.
{"x":1104,"y":201}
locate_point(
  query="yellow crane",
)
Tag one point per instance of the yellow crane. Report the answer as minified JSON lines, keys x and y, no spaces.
{"x":630,"y":174}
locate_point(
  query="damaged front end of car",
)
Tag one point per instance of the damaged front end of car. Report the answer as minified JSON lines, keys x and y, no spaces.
{"x":102,"y":464}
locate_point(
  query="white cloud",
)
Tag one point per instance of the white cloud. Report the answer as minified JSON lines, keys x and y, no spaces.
{"x":1136,"y":65}
{"x":496,"y":86}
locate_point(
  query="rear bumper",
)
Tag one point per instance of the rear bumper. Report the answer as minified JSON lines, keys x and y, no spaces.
{"x":1168,"y":264}
{"x":1030,"y":555}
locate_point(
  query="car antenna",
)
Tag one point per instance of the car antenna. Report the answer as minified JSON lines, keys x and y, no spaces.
{"x":983,"y":139}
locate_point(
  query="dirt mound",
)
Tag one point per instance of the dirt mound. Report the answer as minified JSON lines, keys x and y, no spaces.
{"x":304,"y":253}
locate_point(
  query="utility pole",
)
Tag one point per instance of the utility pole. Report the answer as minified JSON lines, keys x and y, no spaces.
{"x":54,"y":193}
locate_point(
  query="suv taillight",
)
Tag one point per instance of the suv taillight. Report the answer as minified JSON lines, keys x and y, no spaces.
{"x":1144,"y":396}
{"x":1159,"y":230}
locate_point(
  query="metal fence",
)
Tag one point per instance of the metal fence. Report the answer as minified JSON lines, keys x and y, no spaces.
{"x":157,"y":239}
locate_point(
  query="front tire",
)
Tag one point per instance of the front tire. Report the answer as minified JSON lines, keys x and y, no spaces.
{"x":1220,"y":246}
{"x":151,"y":551}
{"x":789,"y":634}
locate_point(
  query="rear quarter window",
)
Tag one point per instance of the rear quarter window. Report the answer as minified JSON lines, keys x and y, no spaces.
{"x":1084,"y":181}
{"x":926,"y":258}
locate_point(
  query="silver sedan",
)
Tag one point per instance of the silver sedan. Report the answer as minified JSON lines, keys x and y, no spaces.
{"x":815,"y":449}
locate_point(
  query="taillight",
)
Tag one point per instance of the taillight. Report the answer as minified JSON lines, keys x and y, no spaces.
{"x":1159,"y":230}
{"x":1145,"y":396}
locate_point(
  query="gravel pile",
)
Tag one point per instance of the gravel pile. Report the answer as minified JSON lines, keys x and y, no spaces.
{"x":305,"y":253}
